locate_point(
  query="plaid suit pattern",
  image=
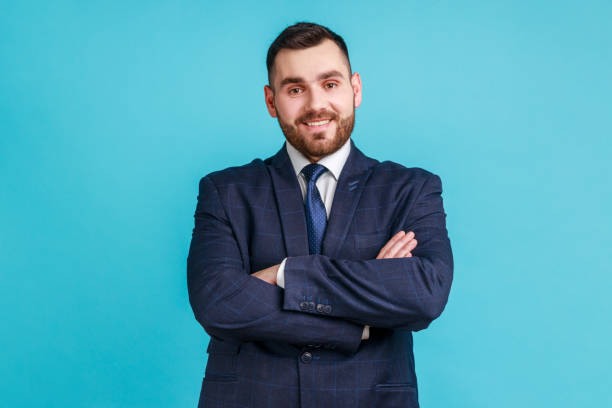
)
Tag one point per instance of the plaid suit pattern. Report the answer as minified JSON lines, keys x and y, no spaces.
{"x":302,"y":346}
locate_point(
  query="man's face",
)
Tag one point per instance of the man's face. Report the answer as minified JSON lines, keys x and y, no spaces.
{"x":314,"y":98}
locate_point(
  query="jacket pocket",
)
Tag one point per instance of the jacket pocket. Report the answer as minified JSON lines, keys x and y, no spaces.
{"x":221,"y":368}
{"x":216,"y":346}
{"x":222,"y":361}
{"x":220,"y":383}
{"x":218,"y":393}
{"x":392,"y":395}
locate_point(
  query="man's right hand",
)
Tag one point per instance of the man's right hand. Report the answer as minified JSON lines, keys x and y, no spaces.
{"x":399,"y":246}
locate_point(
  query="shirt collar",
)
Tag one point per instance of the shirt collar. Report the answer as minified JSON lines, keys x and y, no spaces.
{"x":333,"y":162}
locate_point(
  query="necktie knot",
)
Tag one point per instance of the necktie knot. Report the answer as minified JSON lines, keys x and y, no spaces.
{"x":313,"y":171}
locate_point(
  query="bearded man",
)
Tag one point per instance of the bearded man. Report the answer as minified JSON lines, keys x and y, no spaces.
{"x":304,"y":268}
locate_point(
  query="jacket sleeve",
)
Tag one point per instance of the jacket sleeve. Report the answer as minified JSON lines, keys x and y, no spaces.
{"x":397,"y":293}
{"x":233,"y":305}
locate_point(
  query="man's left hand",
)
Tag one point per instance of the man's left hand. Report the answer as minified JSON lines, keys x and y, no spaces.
{"x":267,"y":275}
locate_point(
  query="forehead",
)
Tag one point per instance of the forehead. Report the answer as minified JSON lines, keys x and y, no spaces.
{"x":310,"y":62}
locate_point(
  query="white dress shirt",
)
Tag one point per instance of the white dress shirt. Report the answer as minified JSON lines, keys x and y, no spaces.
{"x":326,"y":184}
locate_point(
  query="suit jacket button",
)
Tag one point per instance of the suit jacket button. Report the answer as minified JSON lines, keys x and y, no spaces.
{"x":327,"y":309}
{"x":306,"y":357}
{"x":311,"y":306}
{"x":320,"y":308}
{"x":304,"y":305}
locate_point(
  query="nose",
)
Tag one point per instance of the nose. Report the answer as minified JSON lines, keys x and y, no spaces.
{"x":317,"y":99}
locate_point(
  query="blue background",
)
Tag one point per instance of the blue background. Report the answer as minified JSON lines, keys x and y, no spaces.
{"x":111,"y":112}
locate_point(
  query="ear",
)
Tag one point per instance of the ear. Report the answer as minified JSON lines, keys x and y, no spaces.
{"x":356,"y":84}
{"x":269,"y":94}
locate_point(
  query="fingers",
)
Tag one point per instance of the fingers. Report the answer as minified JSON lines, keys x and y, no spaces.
{"x":399,"y":246}
{"x":406,"y":250}
{"x":394,"y":239}
{"x":267,"y":275}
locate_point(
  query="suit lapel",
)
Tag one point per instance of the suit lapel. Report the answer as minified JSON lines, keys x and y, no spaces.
{"x":290,"y":203}
{"x":348,"y":191}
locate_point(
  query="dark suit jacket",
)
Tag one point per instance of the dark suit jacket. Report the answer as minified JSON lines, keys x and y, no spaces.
{"x":301,"y":346}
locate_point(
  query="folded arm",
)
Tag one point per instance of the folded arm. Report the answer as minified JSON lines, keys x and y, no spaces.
{"x":397,"y":293}
{"x":233,"y":305}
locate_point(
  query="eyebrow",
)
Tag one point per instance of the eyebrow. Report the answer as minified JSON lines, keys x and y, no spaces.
{"x":297,"y":80}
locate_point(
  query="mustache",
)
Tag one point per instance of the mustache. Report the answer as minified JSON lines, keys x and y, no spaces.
{"x":311,"y":116}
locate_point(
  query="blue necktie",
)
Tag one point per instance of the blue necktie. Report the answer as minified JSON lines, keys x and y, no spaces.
{"x":316,"y":217}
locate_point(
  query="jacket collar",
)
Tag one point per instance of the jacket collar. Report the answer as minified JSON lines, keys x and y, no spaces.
{"x":291,"y":205}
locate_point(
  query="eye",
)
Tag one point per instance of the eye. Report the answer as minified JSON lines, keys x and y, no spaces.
{"x":295,"y":91}
{"x":331,"y":85}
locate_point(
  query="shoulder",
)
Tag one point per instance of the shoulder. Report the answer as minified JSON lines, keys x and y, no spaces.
{"x":247,"y":174}
{"x":389,"y":171}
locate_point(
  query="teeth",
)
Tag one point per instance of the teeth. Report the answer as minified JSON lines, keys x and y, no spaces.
{"x":319,"y":123}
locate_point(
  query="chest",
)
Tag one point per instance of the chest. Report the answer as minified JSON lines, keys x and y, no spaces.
{"x":268,"y":232}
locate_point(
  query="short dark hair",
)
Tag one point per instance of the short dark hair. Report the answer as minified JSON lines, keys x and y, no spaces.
{"x":300,"y":36}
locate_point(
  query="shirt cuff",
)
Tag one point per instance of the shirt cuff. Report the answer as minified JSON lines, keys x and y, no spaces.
{"x":366,"y":332}
{"x":280,"y":275}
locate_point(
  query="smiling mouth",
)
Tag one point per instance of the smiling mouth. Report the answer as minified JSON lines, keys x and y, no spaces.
{"x":318,"y":123}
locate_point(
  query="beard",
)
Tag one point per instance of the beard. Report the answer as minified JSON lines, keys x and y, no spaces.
{"x":310,"y":144}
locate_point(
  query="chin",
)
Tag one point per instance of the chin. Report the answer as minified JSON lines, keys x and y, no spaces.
{"x":322,"y":147}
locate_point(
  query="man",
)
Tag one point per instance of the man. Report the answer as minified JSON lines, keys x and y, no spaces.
{"x":304,"y":268}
